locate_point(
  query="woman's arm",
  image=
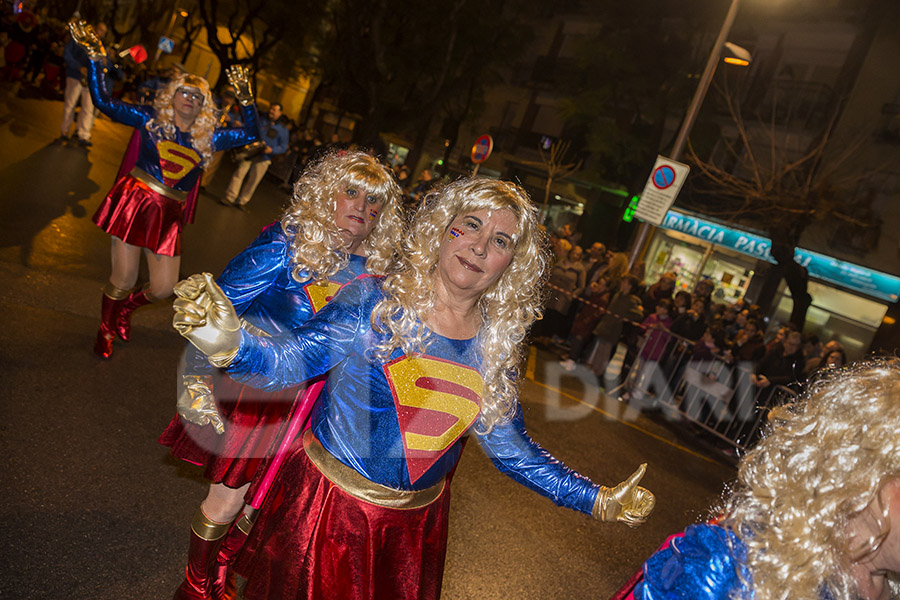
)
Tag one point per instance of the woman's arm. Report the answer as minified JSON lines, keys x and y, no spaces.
{"x":235,"y":137}
{"x":519,"y":457}
{"x":253,"y":271}
{"x":132,"y":115}
{"x":247,"y":275}
{"x":288,"y":359}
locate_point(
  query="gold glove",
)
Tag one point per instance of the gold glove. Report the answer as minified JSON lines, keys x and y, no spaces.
{"x":206,"y":317}
{"x":84,"y":35}
{"x":239,"y":78}
{"x":196,"y":404}
{"x":627,"y":502}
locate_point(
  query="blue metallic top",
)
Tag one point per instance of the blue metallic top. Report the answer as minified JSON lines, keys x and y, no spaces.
{"x":703,"y":565}
{"x":174,"y":163}
{"x":259,"y":283}
{"x":399,"y":422}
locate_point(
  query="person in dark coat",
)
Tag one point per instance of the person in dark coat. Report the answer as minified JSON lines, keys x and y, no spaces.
{"x":625,"y":305}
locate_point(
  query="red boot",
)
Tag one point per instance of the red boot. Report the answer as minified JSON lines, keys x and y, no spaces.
{"x":113,"y":299}
{"x":206,"y":537}
{"x":135,"y":300}
{"x":223,"y":587}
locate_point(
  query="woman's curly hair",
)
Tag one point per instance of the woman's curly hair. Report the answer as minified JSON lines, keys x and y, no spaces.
{"x":317,"y":247}
{"x":825,"y":460}
{"x":508,"y":307}
{"x":163,"y":124}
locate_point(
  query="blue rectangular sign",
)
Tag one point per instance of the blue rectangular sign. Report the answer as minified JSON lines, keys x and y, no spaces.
{"x":855,"y":277}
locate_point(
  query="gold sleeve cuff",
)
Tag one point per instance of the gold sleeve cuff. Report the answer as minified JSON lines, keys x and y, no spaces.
{"x":601,"y":505}
{"x":253,"y":329}
{"x":223,"y":359}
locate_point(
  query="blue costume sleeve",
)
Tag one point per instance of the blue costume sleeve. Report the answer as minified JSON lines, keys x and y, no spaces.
{"x":251,"y":272}
{"x":122,"y":112}
{"x":519,"y":457}
{"x":293,"y":357}
{"x":246,"y":276}
{"x":234,"y":137}
{"x":702,"y":565}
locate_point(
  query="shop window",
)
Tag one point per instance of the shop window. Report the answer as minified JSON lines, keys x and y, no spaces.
{"x":836,"y":314}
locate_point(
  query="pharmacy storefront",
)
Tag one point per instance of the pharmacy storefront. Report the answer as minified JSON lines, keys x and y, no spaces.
{"x":849,"y":301}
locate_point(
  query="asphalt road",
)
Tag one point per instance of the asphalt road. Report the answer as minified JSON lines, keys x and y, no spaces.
{"x":95,"y":508}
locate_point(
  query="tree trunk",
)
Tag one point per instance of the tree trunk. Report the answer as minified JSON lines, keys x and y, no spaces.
{"x":796,"y":278}
{"x":370,"y":125}
{"x":418,"y":145}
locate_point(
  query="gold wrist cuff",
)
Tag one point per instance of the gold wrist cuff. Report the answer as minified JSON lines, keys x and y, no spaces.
{"x":223,"y":359}
{"x":207,"y":529}
{"x":253,"y":329}
{"x":601,"y":504}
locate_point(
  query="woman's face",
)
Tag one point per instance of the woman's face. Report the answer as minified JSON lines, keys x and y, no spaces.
{"x":356,"y":212}
{"x":834,"y":359}
{"x":188,"y":102}
{"x":870,"y":571}
{"x":476,"y":249}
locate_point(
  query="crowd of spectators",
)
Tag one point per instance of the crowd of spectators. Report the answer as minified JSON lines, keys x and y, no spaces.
{"x":596,"y":304}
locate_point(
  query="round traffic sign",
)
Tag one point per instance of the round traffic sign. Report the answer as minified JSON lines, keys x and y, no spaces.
{"x":663,"y":177}
{"x":482,"y":149}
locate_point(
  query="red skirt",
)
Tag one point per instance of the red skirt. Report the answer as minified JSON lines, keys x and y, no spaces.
{"x":142,"y":217}
{"x":255,"y":422}
{"x":314,"y":541}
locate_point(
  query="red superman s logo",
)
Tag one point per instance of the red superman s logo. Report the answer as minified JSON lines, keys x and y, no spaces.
{"x":437,"y":401}
{"x":176,"y":161}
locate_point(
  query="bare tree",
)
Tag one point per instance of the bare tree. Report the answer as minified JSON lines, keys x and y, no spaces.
{"x":255,"y":28}
{"x":767,"y":176}
{"x":193,"y":25}
{"x":553,"y":162}
{"x":137,"y":18}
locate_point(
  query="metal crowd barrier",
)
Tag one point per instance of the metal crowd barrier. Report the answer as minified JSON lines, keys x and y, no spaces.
{"x":716,"y":395}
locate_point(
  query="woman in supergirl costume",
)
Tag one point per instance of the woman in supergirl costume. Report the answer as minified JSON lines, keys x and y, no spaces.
{"x":414,"y":362}
{"x":344,"y":221}
{"x":156,"y":189}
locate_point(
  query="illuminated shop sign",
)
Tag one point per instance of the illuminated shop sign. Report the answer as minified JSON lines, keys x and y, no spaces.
{"x":854,"y":277}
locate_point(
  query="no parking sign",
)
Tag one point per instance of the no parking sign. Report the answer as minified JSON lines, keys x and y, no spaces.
{"x":662,"y":187}
{"x":481,"y":151}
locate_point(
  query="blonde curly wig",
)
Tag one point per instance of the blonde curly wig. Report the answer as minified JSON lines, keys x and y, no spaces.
{"x":508,"y":307}
{"x":163,"y":124}
{"x":824,"y":461}
{"x":317,"y":250}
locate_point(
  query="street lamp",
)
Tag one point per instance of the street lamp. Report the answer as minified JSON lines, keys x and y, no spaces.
{"x":699,"y":95}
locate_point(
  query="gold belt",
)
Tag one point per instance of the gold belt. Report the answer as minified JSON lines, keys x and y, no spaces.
{"x":151,"y":182}
{"x":359,"y":487}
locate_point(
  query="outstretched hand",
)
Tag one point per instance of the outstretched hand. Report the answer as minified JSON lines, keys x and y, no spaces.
{"x":239,"y":78}
{"x":206,"y":317}
{"x":85,"y":36}
{"x":196,"y":403}
{"x":627,"y":502}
